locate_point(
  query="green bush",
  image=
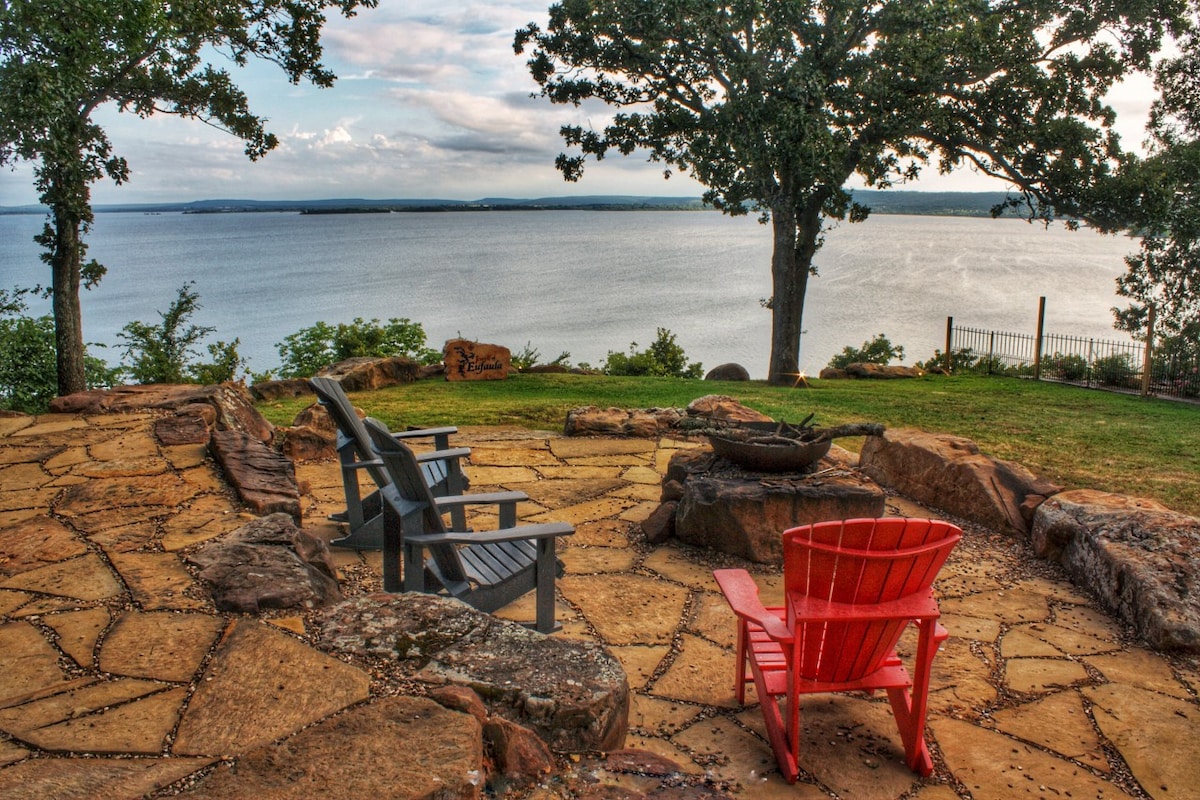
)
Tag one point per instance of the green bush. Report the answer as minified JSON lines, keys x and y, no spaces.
{"x":961,"y":360}
{"x":308,"y":350}
{"x":28,"y":364}
{"x":530,"y":356}
{"x":877,"y":351}
{"x":664,"y":358}
{"x":163,"y":353}
{"x":1114,"y":370}
{"x":1070,"y":367}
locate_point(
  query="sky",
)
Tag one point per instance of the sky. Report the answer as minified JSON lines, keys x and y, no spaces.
{"x":430,"y":102}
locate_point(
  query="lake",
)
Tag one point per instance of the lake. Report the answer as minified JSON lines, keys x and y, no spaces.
{"x":584,"y":282}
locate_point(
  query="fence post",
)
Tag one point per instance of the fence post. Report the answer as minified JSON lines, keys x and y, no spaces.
{"x":1148,"y":354}
{"x":947,"y":360}
{"x":1037,"y":348}
{"x":991,"y":350}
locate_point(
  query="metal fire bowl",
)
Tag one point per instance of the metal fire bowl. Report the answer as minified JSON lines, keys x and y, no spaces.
{"x":769,"y":457}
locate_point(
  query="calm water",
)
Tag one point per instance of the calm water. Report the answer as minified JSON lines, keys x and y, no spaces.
{"x":583,"y":282}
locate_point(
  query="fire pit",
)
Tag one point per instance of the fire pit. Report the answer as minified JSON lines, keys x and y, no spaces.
{"x":761,"y":479}
{"x":769,"y":456}
{"x":780,"y":446}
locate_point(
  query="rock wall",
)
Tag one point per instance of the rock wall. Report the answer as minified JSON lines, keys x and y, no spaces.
{"x":1137,"y":556}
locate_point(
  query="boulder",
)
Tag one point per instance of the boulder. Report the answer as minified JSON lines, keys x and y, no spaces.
{"x":474,"y":361}
{"x":311,"y":436}
{"x":869,"y":371}
{"x":660,"y":525}
{"x":728,"y":372}
{"x":268,"y":391}
{"x":723,"y":407}
{"x":264,"y":479}
{"x":950,"y":473}
{"x":573,"y":694}
{"x":268,"y":563}
{"x":1137,"y":556}
{"x":744,"y":513}
{"x":646,"y":423}
{"x":366,"y":373}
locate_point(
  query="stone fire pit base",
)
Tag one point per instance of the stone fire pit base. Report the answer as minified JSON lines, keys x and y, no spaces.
{"x":743,"y":513}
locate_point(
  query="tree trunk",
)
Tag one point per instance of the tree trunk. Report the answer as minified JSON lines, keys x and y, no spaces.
{"x":795,"y":243}
{"x":65,"y":256}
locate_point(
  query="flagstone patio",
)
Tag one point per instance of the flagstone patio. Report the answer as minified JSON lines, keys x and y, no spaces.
{"x":118,"y":678}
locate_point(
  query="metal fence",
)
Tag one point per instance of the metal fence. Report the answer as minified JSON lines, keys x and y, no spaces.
{"x":1099,"y":363}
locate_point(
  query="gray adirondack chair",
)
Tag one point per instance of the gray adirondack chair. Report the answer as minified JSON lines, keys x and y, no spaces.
{"x":485,"y":569}
{"x":441,"y":469}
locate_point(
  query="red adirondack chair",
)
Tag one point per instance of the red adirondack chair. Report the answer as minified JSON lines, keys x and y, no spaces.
{"x":851,"y":588}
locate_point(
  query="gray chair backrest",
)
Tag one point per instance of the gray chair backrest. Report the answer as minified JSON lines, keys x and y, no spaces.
{"x":407,"y":480}
{"x":339,"y":407}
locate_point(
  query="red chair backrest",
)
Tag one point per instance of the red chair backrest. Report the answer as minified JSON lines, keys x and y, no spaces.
{"x":859,"y":562}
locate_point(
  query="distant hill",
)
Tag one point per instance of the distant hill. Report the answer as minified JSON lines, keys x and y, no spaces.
{"x":969,"y":204}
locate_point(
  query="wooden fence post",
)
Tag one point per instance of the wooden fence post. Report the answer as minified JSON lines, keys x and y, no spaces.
{"x":1037,"y":349}
{"x":1148,"y":353}
{"x":947,"y":359}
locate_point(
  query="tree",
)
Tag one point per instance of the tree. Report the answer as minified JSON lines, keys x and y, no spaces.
{"x":1160,"y":198}
{"x":61,"y":60}
{"x":774,"y":105}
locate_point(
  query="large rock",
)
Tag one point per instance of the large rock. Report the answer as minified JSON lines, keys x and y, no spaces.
{"x":728,"y":372}
{"x":366,"y":374}
{"x":264,"y":479}
{"x":268,"y":563}
{"x":232,"y":403}
{"x":644,"y":423}
{"x":269,"y":391}
{"x":725,"y":408}
{"x":312,"y":435}
{"x":871,"y":371}
{"x":950,"y":473}
{"x":466,"y":360}
{"x":1137,"y":556}
{"x":745,"y":514}
{"x":572,"y":693}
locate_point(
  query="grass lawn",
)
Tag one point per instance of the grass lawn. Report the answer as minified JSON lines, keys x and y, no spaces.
{"x":1078,"y":438}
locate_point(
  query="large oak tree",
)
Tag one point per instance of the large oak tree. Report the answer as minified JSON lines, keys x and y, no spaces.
{"x":1159,"y":197}
{"x":774,"y":105}
{"x":61,"y":60}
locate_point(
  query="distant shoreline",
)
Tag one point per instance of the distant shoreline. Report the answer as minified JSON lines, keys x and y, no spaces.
{"x":956,"y":204}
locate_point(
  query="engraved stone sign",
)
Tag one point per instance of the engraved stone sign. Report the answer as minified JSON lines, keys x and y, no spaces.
{"x":473,"y":361}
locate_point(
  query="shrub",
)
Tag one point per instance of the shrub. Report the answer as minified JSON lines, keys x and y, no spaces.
{"x":877,"y":351}
{"x":1071,"y":367}
{"x":663,"y":358}
{"x":529,"y":356}
{"x":308,"y":350}
{"x":1114,"y":370}
{"x":163,"y":353}
{"x":961,"y":360}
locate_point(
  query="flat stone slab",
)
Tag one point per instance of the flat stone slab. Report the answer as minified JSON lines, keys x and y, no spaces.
{"x":90,"y":778}
{"x":404,"y":748}
{"x":116,"y":493}
{"x":84,"y":578}
{"x":161,"y":646}
{"x":263,"y":684}
{"x":36,"y":543}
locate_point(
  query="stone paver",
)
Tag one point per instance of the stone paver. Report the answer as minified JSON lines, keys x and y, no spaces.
{"x":109,"y":648}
